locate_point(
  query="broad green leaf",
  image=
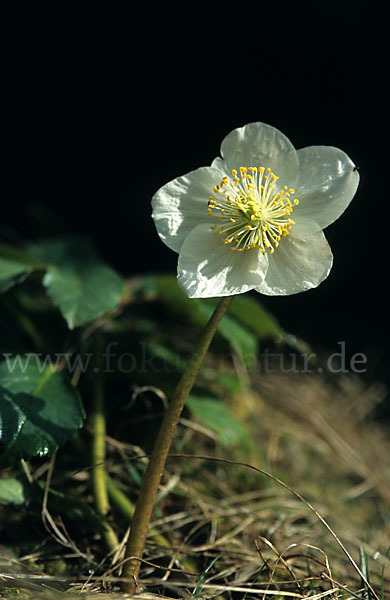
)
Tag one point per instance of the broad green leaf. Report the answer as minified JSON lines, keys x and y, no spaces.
{"x":39,"y":410}
{"x":13,"y":491}
{"x":18,"y":255}
{"x":15,"y":265}
{"x":11,"y":272}
{"x":81,"y":286}
{"x":64,"y":251}
{"x":82,"y":295}
{"x":218,"y":417}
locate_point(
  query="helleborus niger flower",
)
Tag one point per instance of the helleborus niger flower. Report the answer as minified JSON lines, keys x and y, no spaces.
{"x":253,"y":220}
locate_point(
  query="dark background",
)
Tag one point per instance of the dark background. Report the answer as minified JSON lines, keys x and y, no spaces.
{"x":112,"y":101}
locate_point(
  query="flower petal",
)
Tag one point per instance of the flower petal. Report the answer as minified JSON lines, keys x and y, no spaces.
{"x":327,"y":183}
{"x":181,"y":205}
{"x":208,"y":268}
{"x":297,"y":265}
{"x":258,"y":144}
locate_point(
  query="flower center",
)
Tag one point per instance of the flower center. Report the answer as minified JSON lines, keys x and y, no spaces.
{"x":251,"y":212}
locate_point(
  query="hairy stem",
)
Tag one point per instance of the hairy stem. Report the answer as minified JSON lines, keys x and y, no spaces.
{"x":154,"y":471}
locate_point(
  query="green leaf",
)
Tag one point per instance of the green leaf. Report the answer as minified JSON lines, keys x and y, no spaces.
{"x":11,"y":273}
{"x":82,"y":295}
{"x":64,"y":251}
{"x":39,"y":410}
{"x":81,"y":286}
{"x":218,"y":417}
{"x":13,"y":491}
{"x":18,"y":255}
{"x":15,"y":265}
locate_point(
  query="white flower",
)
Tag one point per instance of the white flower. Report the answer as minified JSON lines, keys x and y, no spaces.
{"x":254,"y":219}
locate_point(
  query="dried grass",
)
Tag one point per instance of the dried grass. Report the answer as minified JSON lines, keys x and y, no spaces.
{"x":246,"y":535}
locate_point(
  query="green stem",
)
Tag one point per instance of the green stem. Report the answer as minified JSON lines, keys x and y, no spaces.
{"x":98,"y":425}
{"x":151,"y":481}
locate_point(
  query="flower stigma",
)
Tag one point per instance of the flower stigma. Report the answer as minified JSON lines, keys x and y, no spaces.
{"x":251,"y":212}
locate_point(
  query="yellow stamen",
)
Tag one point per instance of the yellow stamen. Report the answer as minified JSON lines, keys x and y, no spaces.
{"x":251,"y":210}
